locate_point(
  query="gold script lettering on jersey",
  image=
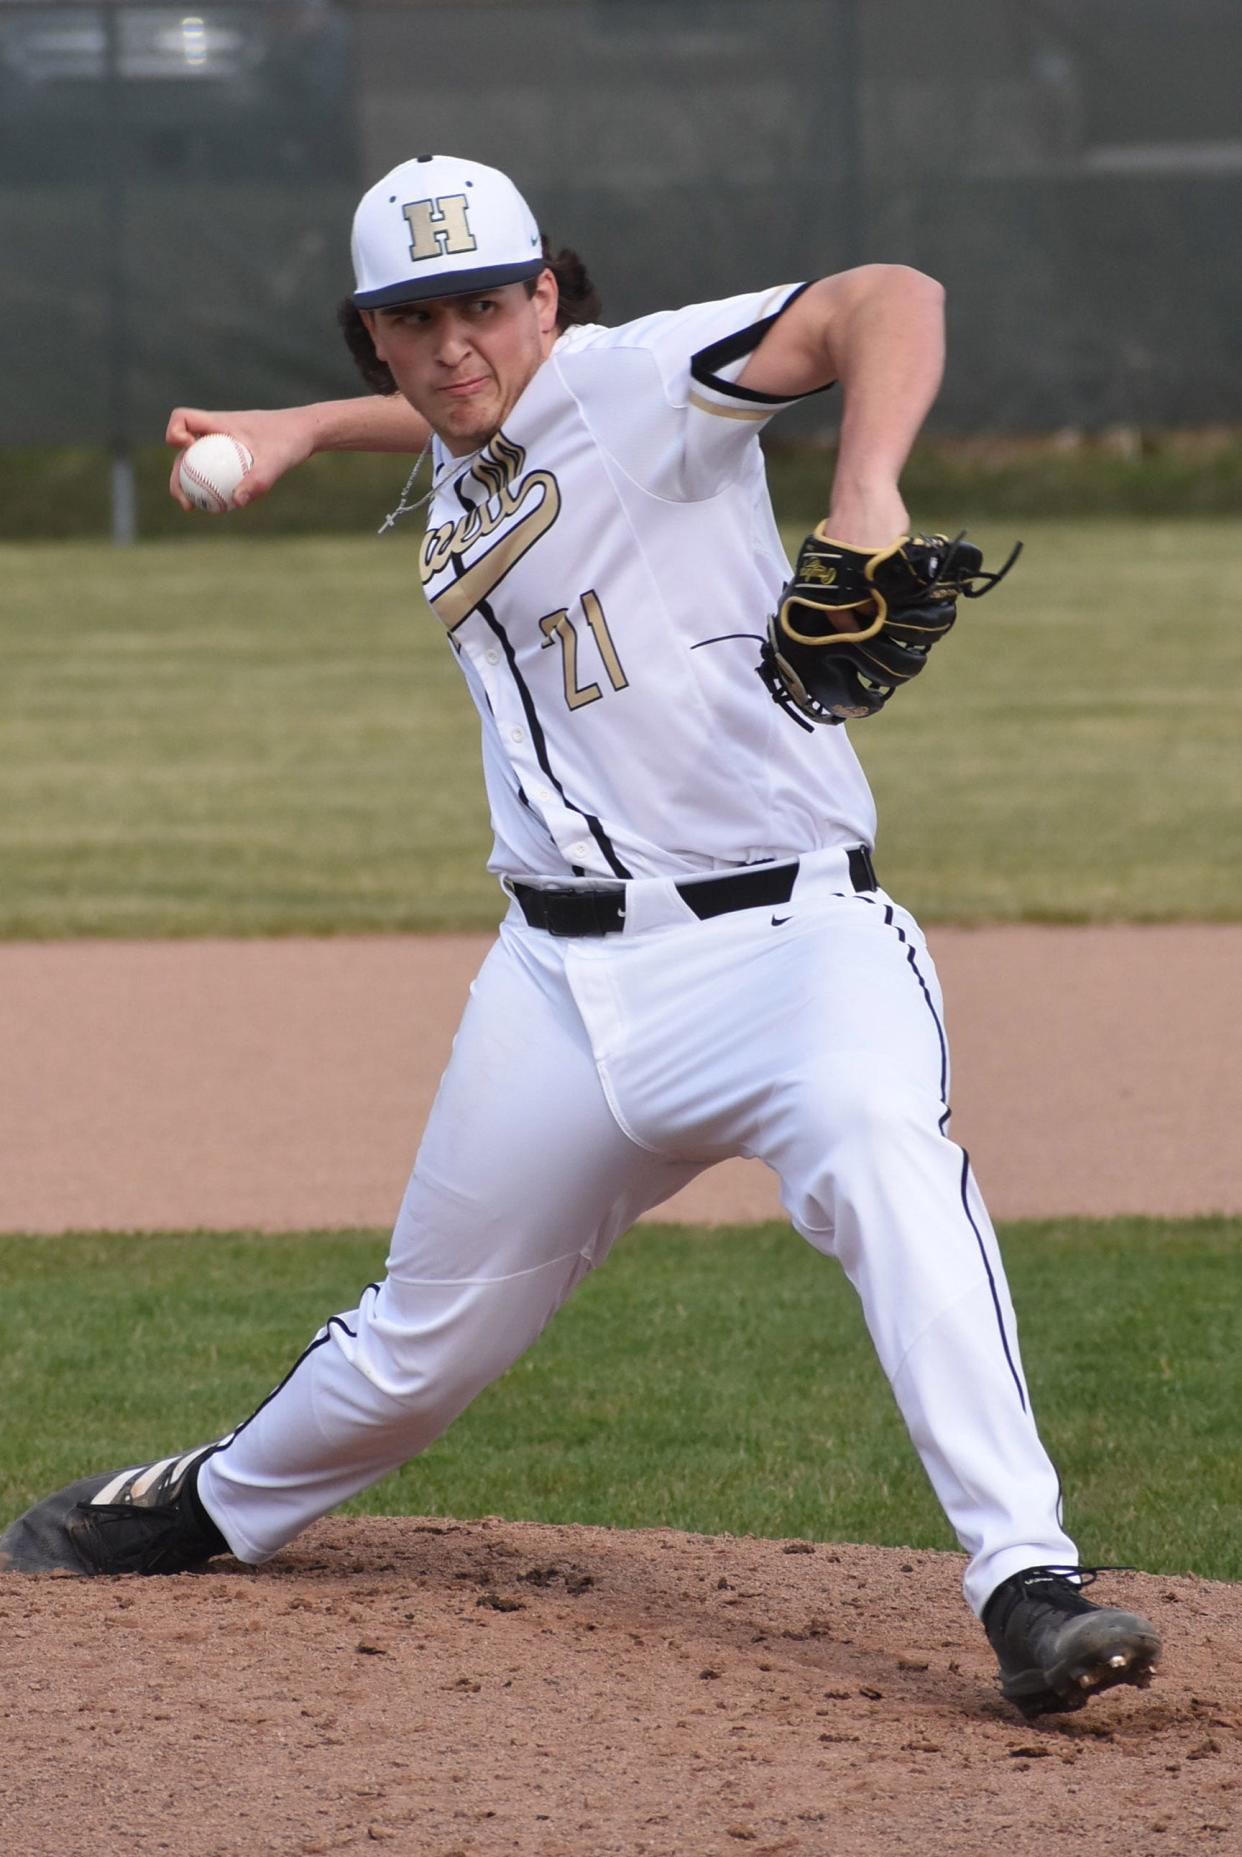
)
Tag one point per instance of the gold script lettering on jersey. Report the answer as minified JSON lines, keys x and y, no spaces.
{"x":518,"y":511}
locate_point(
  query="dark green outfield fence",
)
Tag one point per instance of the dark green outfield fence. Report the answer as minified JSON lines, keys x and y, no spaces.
{"x":176,"y":184}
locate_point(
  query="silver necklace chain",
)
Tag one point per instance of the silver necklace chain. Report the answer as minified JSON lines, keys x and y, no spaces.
{"x":406,"y":508}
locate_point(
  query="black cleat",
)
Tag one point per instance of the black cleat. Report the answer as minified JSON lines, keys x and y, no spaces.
{"x":1056,"y":1649}
{"x":145,"y":1520}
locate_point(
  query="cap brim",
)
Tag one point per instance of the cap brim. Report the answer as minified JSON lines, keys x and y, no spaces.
{"x":449,"y":284}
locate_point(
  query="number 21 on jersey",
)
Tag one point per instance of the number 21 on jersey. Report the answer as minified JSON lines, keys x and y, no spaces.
{"x":559,"y":628}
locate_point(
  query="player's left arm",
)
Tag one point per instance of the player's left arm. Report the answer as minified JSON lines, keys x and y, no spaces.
{"x":867,"y":600}
{"x":878,"y":330}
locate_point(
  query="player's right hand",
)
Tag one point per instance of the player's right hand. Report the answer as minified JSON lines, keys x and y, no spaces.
{"x":278,"y":440}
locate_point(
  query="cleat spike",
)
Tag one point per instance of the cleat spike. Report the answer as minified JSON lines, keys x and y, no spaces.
{"x":1056,"y":1650}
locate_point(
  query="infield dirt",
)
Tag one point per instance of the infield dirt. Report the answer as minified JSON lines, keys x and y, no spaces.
{"x":282,"y":1085}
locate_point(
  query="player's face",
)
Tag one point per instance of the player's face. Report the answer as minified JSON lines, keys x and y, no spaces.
{"x":463,"y":362}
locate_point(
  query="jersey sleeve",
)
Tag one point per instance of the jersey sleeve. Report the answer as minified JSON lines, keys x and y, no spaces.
{"x":661,"y":395}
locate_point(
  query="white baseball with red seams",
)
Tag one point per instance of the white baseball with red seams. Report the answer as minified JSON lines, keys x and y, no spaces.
{"x":211,"y":470}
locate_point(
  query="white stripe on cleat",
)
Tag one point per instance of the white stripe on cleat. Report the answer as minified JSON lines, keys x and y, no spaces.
{"x":149,"y":1476}
{"x":111,"y":1491}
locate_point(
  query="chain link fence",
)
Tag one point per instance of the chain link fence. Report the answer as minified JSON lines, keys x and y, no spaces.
{"x":177,"y":183}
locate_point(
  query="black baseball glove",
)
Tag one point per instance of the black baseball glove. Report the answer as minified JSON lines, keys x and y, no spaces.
{"x":855,"y":623}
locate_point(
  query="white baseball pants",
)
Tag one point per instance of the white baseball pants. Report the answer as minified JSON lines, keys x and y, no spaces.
{"x":589,"y":1080}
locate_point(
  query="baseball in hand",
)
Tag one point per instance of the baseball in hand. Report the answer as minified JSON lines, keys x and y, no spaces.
{"x":211,"y":470}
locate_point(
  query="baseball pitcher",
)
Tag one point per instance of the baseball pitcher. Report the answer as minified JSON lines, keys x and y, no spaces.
{"x":698,"y":958}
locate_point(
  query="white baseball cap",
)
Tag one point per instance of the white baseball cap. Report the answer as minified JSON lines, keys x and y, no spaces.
{"x":439,"y":227}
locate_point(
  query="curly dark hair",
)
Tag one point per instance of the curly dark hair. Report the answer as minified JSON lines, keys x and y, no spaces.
{"x":579,"y":303}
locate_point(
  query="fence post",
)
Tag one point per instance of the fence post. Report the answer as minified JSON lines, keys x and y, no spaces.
{"x":124,"y":503}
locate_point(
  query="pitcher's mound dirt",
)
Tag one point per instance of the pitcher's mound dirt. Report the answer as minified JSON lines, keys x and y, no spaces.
{"x":459,"y":1689}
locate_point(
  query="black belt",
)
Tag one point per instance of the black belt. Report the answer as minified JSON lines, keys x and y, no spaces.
{"x":602,"y":911}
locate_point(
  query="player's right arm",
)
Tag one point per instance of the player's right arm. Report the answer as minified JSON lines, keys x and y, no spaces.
{"x":286,"y":436}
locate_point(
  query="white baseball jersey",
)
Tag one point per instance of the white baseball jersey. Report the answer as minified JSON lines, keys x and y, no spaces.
{"x":605,"y":568}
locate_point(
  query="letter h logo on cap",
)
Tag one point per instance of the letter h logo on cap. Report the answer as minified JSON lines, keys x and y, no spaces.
{"x":438,"y":226}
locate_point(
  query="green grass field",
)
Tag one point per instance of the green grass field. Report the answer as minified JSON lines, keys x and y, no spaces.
{"x":248,"y":735}
{"x":254,"y":736}
{"x":718,"y":1383}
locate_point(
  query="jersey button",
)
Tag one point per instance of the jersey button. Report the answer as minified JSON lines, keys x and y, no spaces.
{"x":581,"y":849}
{"x":517,"y":735}
{"x":543,"y":795}
{"x":492,"y":656}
